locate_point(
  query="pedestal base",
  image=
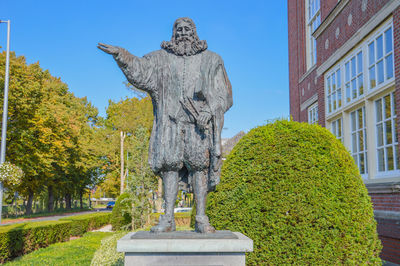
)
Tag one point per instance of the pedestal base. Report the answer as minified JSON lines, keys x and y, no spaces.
{"x":185,"y":248}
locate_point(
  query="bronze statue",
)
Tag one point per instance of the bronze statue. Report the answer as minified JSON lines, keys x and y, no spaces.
{"x":191,"y":92}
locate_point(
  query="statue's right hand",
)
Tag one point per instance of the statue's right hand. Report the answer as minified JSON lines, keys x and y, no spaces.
{"x":109,"y":49}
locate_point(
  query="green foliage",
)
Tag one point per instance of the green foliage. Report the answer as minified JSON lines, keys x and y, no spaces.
{"x":81,"y":224}
{"x":122,"y":212}
{"x":182,"y":219}
{"x":18,"y":239}
{"x":50,"y":132}
{"x":295,"y":190}
{"x":107,"y":253}
{"x":75,"y":252}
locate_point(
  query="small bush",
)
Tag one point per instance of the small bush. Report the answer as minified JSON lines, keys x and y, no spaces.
{"x":107,"y":253}
{"x":81,"y":224}
{"x":121,"y":218}
{"x":295,"y":190}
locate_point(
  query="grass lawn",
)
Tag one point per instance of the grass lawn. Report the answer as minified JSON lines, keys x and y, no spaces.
{"x":75,"y":252}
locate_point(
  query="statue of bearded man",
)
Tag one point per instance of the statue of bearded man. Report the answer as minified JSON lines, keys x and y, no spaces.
{"x":190,"y":92}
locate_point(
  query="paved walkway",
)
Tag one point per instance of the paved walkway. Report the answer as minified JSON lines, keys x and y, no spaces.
{"x":52,"y":218}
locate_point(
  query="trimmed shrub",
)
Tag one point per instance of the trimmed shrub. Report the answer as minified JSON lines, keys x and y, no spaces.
{"x":107,"y":253}
{"x":81,"y":224}
{"x":295,"y":190}
{"x":121,"y":217}
{"x":19,"y":239}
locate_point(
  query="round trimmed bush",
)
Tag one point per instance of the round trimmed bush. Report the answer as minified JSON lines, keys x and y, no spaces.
{"x":295,"y":190}
{"x":121,"y":216}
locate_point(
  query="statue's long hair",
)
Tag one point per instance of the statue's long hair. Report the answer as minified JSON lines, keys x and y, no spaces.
{"x":197,"y":45}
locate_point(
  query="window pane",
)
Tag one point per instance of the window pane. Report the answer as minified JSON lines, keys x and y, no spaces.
{"x":334,"y":101}
{"x":379,"y":130}
{"x":379,"y":47}
{"x":362,"y":163}
{"x":388,"y":107}
{"x":381,"y":160}
{"x":388,"y":40}
{"x":389,"y":66}
{"x":396,"y":152}
{"x":372,"y":81}
{"x":388,"y":127}
{"x":371,"y":49}
{"x":353,"y":67}
{"x":355,"y":157}
{"x":359,"y":63}
{"x":339,"y":82}
{"x":339,"y":94}
{"x":360,"y":85}
{"x":348,"y":92}
{"x":353,"y":121}
{"x":340,"y":128}
{"x":361,"y":141}
{"x":389,"y":155}
{"x":354,"y":143}
{"x":360,"y":119}
{"x":347,"y":72}
{"x":328,"y":83}
{"x":329,"y":104}
{"x":333,"y":82}
{"x":354,"y":88}
{"x":378,"y":105}
{"x":380,"y":72}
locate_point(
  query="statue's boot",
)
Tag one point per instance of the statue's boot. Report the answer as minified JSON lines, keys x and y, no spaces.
{"x":202,"y":225}
{"x":166,"y":224}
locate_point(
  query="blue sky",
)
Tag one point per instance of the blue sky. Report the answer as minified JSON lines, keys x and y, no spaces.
{"x":251,"y":37}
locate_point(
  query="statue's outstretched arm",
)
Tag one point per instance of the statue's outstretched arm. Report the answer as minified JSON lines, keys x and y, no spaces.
{"x":138,"y":71}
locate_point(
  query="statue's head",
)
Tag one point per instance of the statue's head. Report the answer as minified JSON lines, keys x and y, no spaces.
{"x":184,"y":40}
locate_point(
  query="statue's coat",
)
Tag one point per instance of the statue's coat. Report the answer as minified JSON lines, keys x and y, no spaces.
{"x":169,"y":79}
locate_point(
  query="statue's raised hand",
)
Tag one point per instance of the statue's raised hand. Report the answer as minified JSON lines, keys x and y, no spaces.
{"x":109,"y":49}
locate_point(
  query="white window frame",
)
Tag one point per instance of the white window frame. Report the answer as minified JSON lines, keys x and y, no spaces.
{"x":382,"y":144}
{"x":356,"y":130}
{"x":354,"y":81}
{"x":313,"y":113}
{"x":313,"y":20}
{"x":337,"y":128}
{"x":334,"y":92}
{"x":383,"y":59}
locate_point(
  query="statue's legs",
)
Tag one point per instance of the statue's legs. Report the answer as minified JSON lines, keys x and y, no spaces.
{"x":167,"y":221}
{"x":202,"y":224}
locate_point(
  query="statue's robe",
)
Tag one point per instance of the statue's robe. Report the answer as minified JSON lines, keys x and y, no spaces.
{"x":169,"y":79}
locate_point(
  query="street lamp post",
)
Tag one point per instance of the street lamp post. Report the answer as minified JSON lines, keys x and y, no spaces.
{"x":5,"y":111}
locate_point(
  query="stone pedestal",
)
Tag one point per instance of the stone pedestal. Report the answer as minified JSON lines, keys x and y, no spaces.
{"x":185,"y":248}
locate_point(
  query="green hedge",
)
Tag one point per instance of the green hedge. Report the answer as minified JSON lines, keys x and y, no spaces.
{"x":295,"y":190}
{"x":81,"y":224}
{"x":19,"y":239}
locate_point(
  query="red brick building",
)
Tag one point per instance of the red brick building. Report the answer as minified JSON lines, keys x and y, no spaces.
{"x":344,"y":69}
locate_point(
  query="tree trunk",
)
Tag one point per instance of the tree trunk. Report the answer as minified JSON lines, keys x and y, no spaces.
{"x":68,"y":202}
{"x":50,"y":203}
{"x":122,"y":162}
{"x":29,"y":203}
{"x":81,"y":200}
{"x":90,"y":202}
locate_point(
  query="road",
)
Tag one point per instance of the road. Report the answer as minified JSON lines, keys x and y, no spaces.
{"x":52,"y":218}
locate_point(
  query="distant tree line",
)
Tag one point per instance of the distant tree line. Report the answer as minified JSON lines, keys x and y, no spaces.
{"x":61,"y":143}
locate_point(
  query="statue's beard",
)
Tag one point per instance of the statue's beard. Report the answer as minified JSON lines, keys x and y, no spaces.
{"x":184,"y":46}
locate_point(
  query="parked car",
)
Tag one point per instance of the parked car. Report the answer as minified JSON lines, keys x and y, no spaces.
{"x":182,"y":210}
{"x":110,"y":205}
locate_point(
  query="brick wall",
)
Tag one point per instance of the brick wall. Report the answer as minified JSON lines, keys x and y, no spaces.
{"x":386,"y":201}
{"x":389,"y":234}
{"x":326,"y":7}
